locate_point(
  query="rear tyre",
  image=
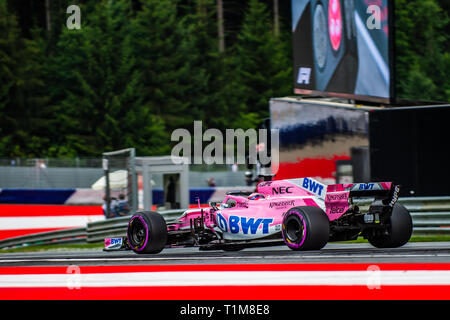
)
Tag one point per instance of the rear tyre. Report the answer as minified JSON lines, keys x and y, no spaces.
{"x":305,"y":228}
{"x":398,"y":232}
{"x":147,"y":232}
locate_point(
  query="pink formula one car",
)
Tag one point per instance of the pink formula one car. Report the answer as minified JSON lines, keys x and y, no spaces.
{"x":302,"y":213}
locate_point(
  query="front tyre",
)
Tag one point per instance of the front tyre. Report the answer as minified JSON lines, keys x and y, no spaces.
{"x":305,"y":228}
{"x":147,"y":232}
{"x":398,"y":231}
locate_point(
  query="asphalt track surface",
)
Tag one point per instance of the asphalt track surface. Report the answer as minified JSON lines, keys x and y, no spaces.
{"x":415,"y":252}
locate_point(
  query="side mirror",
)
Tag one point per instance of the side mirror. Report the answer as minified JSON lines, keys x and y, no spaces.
{"x":213,"y":205}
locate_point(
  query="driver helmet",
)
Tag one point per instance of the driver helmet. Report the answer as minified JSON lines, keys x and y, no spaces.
{"x":256,"y":196}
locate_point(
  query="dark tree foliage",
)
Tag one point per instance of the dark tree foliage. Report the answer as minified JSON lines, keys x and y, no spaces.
{"x":422,"y":55}
{"x":23,"y":98}
{"x":138,"y":69}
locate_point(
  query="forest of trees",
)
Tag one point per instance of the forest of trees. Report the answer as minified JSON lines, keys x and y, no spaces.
{"x":138,"y":69}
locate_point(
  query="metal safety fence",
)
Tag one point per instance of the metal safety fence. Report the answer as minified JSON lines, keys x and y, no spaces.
{"x":99,"y":230}
{"x":92,"y":233}
{"x":430,"y":215}
{"x":67,"y":236}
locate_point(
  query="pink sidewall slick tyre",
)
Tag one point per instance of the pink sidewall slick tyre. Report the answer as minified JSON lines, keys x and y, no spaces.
{"x":305,"y":228}
{"x":147,"y":232}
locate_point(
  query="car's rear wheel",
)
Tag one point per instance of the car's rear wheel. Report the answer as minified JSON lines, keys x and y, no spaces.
{"x":398,"y":232}
{"x":147,"y":232}
{"x":305,"y":228}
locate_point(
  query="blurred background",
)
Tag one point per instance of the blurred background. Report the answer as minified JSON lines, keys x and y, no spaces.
{"x":138,"y":69}
{"x":132,"y":71}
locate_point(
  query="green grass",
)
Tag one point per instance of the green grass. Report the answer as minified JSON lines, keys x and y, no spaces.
{"x":429,"y":238}
{"x":55,"y":247}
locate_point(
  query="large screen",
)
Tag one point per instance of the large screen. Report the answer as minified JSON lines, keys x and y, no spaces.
{"x":342,"y":48}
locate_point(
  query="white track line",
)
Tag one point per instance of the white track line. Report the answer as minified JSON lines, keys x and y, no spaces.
{"x":209,"y":258}
{"x":17,"y":223}
{"x":229,"y":278}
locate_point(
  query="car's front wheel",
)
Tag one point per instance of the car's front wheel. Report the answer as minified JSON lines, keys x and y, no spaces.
{"x":147,"y":232}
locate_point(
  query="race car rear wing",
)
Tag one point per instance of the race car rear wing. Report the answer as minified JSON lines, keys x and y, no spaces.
{"x":377,"y":189}
{"x":362,"y":189}
{"x":386,"y":191}
{"x":343,"y":197}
